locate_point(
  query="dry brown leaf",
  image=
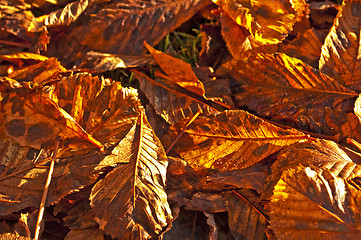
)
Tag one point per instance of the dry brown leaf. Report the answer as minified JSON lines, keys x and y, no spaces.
{"x":115,"y":27}
{"x":311,"y":202}
{"x":288,"y":90}
{"x":130,"y":202}
{"x":232,"y":140}
{"x":13,"y":236}
{"x":245,"y":215}
{"x":177,"y":70}
{"x":102,"y":62}
{"x":171,"y":101}
{"x":268,"y":22}
{"x":38,"y":75}
{"x":339,"y":56}
{"x":85,"y":234}
{"x":306,"y":47}
{"x":36,"y":121}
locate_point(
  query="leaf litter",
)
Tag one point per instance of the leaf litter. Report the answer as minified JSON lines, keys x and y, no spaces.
{"x":255,"y":138}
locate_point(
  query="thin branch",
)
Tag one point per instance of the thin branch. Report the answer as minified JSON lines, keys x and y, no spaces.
{"x":46,"y":189}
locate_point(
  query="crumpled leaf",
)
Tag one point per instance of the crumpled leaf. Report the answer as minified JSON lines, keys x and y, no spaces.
{"x":37,"y":75}
{"x":171,"y":101}
{"x":339,"y":56}
{"x":290,"y":91}
{"x":61,"y":17}
{"x":108,"y":111}
{"x":13,"y":236}
{"x":130,"y":202}
{"x":19,"y":58}
{"x":268,"y":22}
{"x":114,"y":27}
{"x":232,"y":140}
{"x":177,"y":70}
{"x":311,"y":202}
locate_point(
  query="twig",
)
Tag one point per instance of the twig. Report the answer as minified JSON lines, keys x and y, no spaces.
{"x":185,"y":128}
{"x":46,"y":189}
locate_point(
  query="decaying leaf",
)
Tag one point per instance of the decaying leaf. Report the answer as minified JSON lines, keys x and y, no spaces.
{"x":306,"y":47}
{"x":102,"y":62}
{"x":269,"y":22}
{"x":339,"y":56}
{"x":287,"y":89}
{"x":177,"y":70}
{"x":171,"y":101}
{"x":36,"y":121}
{"x":130,"y":202}
{"x":114,"y":27}
{"x":311,"y":202}
{"x":232,"y":140}
{"x":244,"y":216}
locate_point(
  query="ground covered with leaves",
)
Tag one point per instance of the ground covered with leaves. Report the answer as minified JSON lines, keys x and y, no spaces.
{"x":180,"y":119}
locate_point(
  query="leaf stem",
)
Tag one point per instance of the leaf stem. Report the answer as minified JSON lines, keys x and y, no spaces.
{"x":185,"y":128}
{"x":46,"y":189}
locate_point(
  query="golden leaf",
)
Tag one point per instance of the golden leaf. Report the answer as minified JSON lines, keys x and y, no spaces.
{"x":311,"y":202}
{"x":340,"y":52}
{"x":232,"y":140}
{"x":288,"y":90}
{"x":130,"y":202}
{"x":306,"y":47}
{"x":269,"y":22}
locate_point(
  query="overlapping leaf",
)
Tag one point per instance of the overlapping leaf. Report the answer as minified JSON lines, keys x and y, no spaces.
{"x":315,"y":194}
{"x":286,"y":88}
{"x":182,"y":75}
{"x":36,"y":121}
{"x":306,"y":47}
{"x":268,"y":22}
{"x":102,"y":62}
{"x":314,"y":203}
{"x":244,"y":216}
{"x":135,"y":204}
{"x":340,"y":52}
{"x":171,"y":101}
{"x":114,"y":27}
{"x":232,"y":140}
{"x":101,"y":107}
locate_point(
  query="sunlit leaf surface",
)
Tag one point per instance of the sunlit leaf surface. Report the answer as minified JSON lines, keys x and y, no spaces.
{"x":340,"y":52}
{"x":233,"y":140}
{"x":135,"y":204}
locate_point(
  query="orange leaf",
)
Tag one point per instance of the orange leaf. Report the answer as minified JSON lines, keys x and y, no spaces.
{"x":340,"y":52}
{"x":177,"y":70}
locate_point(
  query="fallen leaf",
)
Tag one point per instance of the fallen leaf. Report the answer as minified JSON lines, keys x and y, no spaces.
{"x":114,"y":27}
{"x":268,"y":22}
{"x":171,"y":101}
{"x":312,"y":202}
{"x":177,"y":70}
{"x":136,"y":203}
{"x":232,"y":140}
{"x":102,"y":62}
{"x":290,"y":91}
{"x":339,"y":56}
